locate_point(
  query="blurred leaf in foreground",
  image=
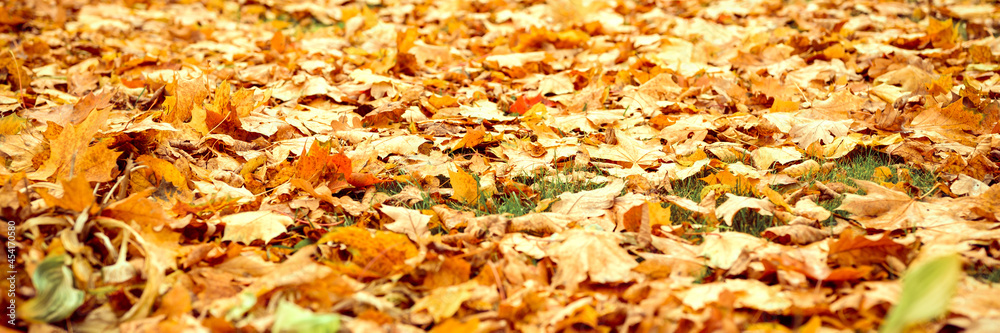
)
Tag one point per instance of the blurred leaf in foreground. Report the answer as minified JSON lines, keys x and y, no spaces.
{"x":927,"y":290}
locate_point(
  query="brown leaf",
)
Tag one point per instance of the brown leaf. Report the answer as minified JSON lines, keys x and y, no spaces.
{"x":797,"y":234}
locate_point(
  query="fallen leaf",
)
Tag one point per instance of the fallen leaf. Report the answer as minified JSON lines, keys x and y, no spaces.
{"x":589,"y":203}
{"x":466,"y":187}
{"x":734,"y":203}
{"x":597,"y":256}
{"x":410,"y":222}
{"x":250,"y":226}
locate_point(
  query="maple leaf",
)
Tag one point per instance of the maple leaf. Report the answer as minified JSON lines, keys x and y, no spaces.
{"x":597,"y":256}
{"x":71,"y":151}
{"x":249,"y":226}
{"x":524,"y":103}
{"x":471,"y":139}
{"x":764,"y":157}
{"x":823,"y":131}
{"x":952,"y":121}
{"x":240,"y":130}
{"x":376,"y":254}
{"x":734,"y":203}
{"x":589,"y":203}
{"x":885,"y":209}
{"x":466,"y":187}
{"x":661,"y":87}
{"x":77,"y":196}
{"x":724,"y":249}
{"x":445,"y":302}
{"x":629,"y":150}
{"x":138,"y":208}
{"x":407,"y":221}
{"x":752,"y":294}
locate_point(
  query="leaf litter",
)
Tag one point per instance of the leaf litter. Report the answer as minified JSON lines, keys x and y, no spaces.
{"x":224,"y":166}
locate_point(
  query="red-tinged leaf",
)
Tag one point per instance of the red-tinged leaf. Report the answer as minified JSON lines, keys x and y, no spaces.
{"x":339,"y":163}
{"x":137,"y":83}
{"x":312,"y":161}
{"x":523,"y":103}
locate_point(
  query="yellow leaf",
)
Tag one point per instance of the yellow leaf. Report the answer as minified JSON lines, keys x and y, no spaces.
{"x":784,"y":106}
{"x":466,"y":187}
{"x":12,"y":124}
{"x":77,"y":195}
{"x":659,"y":215}
{"x":452,"y":325}
{"x":881,"y":174}
{"x":776,"y":198}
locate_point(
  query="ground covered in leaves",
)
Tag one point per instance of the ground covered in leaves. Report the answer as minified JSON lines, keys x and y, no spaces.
{"x":471,"y":166}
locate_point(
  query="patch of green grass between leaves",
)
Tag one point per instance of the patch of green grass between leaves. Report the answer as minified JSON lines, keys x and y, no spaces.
{"x":860,"y":164}
{"x":543,"y":184}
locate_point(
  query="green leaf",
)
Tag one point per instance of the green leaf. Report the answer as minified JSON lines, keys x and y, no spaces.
{"x":246,"y":301}
{"x":293,"y":318}
{"x":57,"y":298}
{"x":927,"y":291}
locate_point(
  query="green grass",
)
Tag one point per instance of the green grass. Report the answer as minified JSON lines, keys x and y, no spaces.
{"x":984,"y":274}
{"x":543,"y":185}
{"x":860,"y":164}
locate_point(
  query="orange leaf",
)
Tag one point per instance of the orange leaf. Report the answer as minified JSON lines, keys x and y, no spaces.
{"x":139,"y":208}
{"x":453,"y":271}
{"x":659,"y":215}
{"x":452,"y":325}
{"x":166,"y":171}
{"x":784,"y":106}
{"x":472,"y":138}
{"x":374,"y":254}
{"x":404,"y":41}
{"x":860,"y":250}
{"x":339,"y":163}
{"x":278,"y":42}
{"x":97,"y":162}
{"x":363,"y":180}
{"x":66,"y":148}
{"x":443,"y":101}
{"x":77,"y":195}
{"x":312,"y":162}
{"x":776,"y":198}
